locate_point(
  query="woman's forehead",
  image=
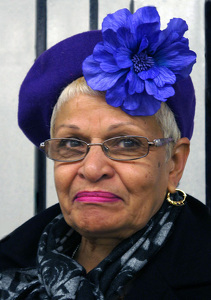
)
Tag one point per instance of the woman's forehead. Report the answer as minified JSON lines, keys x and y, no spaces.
{"x":84,"y":110}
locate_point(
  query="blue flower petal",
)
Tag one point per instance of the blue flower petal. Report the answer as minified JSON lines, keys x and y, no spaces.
{"x":159,"y":93}
{"x":149,"y":32}
{"x":105,"y":59}
{"x":109,"y":66}
{"x":135,"y":84}
{"x":123,"y":58}
{"x":177,"y":25}
{"x":148,"y":106}
{"x":96,"y":78}
{"x":173,"y":33}
{"x":127,"y":39}
{"x":177,"y":58}
{"x":147,"y":14}
{"x":180,"y":62}
{"x":149,"y":74}
{"x":185,"y":42}
{"x":111,"y":41}
{"x":100,"y":54}
{"x":115,"y":96}
{"x":165,"y":76}
{"x":143,"y":45}
{"x":98,"y":51}
{"x":137,"y":63}
{"x":131,"y":102}
{"x":183,"y":73}
{"x":116,"y":20}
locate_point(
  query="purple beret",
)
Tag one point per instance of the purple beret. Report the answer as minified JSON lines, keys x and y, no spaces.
{"x":50,"y":74}
{"x":62,"y":64}
{"x":183,"y":106}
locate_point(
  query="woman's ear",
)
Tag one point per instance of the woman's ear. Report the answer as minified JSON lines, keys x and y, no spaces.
{"x":177,"y":163}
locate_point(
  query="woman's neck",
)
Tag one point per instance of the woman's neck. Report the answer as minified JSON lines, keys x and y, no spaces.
{"x":91,"y":252}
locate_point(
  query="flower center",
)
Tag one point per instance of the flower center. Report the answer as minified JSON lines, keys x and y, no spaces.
{"x":142,"y":62}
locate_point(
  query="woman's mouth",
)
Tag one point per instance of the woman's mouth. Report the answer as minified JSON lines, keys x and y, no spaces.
{"x":96,"y":197}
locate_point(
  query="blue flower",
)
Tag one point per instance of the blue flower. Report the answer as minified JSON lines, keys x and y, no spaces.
{"x":137,"y":64}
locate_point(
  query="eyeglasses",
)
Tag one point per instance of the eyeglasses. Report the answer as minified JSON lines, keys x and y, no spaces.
{"x":121,"y":148}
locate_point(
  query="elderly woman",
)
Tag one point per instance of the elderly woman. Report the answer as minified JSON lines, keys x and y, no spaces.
{"x":121,"y":105}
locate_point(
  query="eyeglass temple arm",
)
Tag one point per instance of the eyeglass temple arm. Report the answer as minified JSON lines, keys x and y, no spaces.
{"x":161,"y":142}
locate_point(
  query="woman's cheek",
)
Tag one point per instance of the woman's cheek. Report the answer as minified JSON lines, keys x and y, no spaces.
{"x":63,"y":175}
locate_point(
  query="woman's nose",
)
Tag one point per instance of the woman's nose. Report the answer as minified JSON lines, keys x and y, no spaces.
{"x":96,"y":165}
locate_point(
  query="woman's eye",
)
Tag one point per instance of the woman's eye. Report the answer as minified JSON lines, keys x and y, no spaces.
{"x":70,"y":143}
{"x":129,"y":143}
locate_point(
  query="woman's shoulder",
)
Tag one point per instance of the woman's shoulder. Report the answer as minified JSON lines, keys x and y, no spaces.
{"x":188,"y":250}
{"x":19,"y":248}
{"x":197,"y":208}
{"x":195,"y":219}
{"x":182,"y":268}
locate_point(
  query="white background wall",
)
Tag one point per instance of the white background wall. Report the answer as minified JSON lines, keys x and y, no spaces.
{"x":17,"y":53}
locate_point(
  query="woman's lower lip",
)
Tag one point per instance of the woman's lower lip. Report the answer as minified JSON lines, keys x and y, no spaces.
{"x":96,"y":197}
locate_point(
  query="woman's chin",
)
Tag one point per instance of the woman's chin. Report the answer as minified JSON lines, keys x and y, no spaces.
{"x":97,"y":221}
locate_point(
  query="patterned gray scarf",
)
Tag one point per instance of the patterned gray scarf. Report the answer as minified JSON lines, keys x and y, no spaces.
{"x":58,"y":276}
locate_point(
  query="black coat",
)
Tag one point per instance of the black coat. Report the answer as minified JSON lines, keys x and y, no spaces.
{"x":180,"y":270}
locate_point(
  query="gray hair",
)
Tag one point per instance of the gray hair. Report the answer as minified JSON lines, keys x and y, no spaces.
{"x":164,"y":116}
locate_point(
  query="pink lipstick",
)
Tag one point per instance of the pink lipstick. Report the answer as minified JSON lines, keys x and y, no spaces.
{"x":96,"y":197}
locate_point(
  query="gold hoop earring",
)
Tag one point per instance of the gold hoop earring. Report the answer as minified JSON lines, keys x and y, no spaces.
{"x":177,"y":203}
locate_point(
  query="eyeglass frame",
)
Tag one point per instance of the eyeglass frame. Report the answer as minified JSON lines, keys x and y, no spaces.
{"x":156,"y":142}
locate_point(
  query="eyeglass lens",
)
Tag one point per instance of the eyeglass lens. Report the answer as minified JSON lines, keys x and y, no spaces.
{"x":119,"y":148}
{"x":126,"y":148}
{"x":66,"y":149}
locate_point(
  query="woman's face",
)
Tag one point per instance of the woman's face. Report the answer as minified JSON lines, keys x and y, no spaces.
{"x":137,"y":187}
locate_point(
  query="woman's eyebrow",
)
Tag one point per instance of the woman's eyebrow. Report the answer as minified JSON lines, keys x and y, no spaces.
{"x":111,"y":127}
{"x":114,"y":126}
{"x":72,"y":126}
